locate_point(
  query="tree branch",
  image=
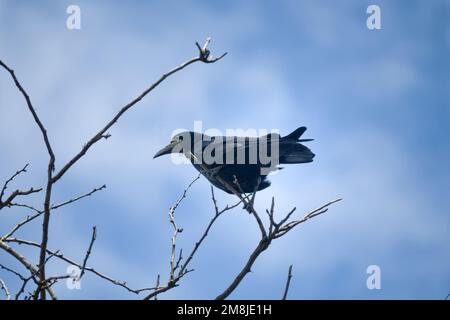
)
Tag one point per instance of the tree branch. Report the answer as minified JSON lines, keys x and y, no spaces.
{"x":276,"y":230}
{"x":21,"y":277}
{"x":88,"y":252}
{"x":33,"y":270}
{"x":40,"y":212}
{"x":70,"y":261}
{"x":205,"y":233}
{"x":184,"y":267}
{"x":203,"y":57}
{"x":31,"y":109}
{"x":50,"y":168}
{"x":8,"y":201}
{"x":16,"y":193}
{"x":4,"y":288}
{"x":288,"y":282}
{"x":5,"y":186}
{"x":78,"y":197}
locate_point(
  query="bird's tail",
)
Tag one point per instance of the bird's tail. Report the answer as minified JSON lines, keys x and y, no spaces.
{"x":295,"y":151}
{"x":296,"y":134}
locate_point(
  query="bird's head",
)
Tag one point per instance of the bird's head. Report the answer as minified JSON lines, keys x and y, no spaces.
{"x":181,"y":143}
{"x":175,"y":145}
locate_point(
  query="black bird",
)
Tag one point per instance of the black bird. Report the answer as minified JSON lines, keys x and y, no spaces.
{"x":242,"y":162}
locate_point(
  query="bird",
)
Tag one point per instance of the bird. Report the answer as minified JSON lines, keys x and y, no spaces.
{"x":237,"y":164}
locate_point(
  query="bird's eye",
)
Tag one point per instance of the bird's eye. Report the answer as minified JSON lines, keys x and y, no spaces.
{"x":180,"y":138}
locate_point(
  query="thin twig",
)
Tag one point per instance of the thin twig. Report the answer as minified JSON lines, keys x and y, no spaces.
{"x":4,"y":288}
{"x":203,"y":56}
{"x":183,"y":269}
{"x":50,"y":168}
{"x":43,"y":284}
{"x":56,"y":206}
{"x":289,"y":226}
{"x":177,"y":230}
{"x":5,"y":186}
{"x":33,"y":270}
{"x":88,"y":252}
{"x":21,"y":277}
{"x":260,"y":248}
{"x":157,"y":285}
{"x":30,"y":108}
{"x":22,"y":288}
{"x":16,"y":193}
{"x":40,"y":212}
{"x":70,"y":261}
{"x":8,"y":201}
{"x":277,"y":231}
{"x":288,"y":282}
{"x":3,"y":267}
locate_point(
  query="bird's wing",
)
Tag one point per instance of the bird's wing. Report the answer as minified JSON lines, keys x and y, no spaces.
{"x":248,"y":143}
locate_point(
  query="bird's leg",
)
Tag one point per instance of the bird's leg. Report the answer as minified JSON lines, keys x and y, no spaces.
{"x":247,"y":205}
{"x":212,"y":173}
{"x":252,"y":200}
{"x":209,"y":173}
{"x":236,"y":182}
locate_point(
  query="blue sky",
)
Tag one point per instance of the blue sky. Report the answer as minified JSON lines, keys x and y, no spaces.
{"x":376,"y":102}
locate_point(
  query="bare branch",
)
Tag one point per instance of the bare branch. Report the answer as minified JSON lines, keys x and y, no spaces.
{"x":8,"y":201}
{"x":88,"y":252}
{"x":14,"y":204}
{"x":177,"y":230}
{"x":51,"y":166}
{"x":40,"y":212}
{"x":19,"y":257}
{"x":21,"y":277}
{"x":157,"y":285}
{"x":203,"y":57}
{"x":183,"y":196}
{"x":286,"y":218}
{"x":272,"y":223}
{"x":5,"y":186}
{"x":205,"y":233}
{"x":289,"y":226}
{"x":288,"y":282}
{"x":261,"y":247}
{"x":62,"y":257}
{"x":183,"y":269}
{"x":22,"y":288}
{"x":78,"y":198}
{"x":4,"y":288}
{"x":3,"y":267}
{"x":213,"y":197}
{"x":173,"y":279}
{"x":31,"y":109}
{"x":204,"y":53}
{"x":277,"y":230}
{"x":180,"y":258}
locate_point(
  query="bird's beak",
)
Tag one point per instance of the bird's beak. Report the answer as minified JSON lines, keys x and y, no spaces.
{"x":166,"y":150}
